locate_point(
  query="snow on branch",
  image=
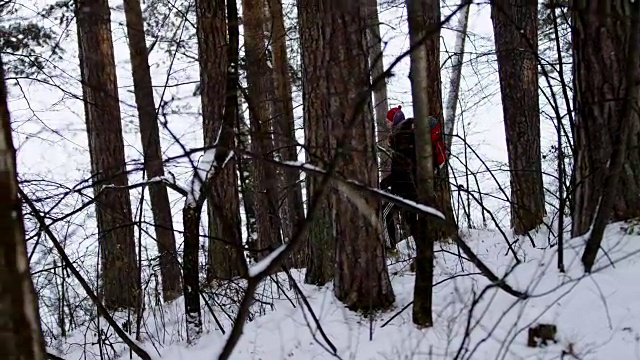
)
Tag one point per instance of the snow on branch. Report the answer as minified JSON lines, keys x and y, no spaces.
{"x":205,"y":166}
{"x":168,"y":181}
{"x":261,"y":265}
{"x":387,"y":196}
{"x":205,"y":170}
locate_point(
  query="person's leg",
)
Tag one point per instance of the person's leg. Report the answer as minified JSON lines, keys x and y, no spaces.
{"x":402,"y":186}
{"x":411,"y":219}
{"x":388,"y":226}
{"x":386,"y":216}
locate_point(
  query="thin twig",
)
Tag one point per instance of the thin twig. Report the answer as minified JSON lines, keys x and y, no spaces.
{"x":306,"y":303}
{"x":434,"y":285}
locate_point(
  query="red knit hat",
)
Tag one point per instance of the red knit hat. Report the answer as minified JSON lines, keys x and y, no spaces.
{"x":395,"y":116}
{"x":392,"y":112}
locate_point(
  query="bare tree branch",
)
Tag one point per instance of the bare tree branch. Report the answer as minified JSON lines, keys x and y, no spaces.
{"x":85,"y":286}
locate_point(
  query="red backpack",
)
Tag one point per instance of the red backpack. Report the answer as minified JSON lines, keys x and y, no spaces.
{"x":437,"y":144}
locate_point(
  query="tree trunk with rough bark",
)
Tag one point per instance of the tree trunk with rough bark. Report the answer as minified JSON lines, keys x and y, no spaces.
{"x":20,"y":331}
{"x":225,"y":258}
{"x":422,"y":95}
{"x":232,"y":113}
{"x":600,"y":84}
{"x":336,"y":71}
{"x":119,"y":285}
{"x":150,"y":134}
{"x":284,"y":130}
{"x":321,"y":239}
{"x":190,"y":270}
{"x":376,"y":63}
{"x":515,"y":27}
{"x":265,"y":176}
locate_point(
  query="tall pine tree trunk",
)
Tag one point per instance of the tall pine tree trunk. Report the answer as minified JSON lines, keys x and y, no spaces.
{"x":380,"y":103}
{"x":160,"y":207}
{"x":120,"y":288}
{"x":336,"y":72}
{"x":232,"y":119}
{"x":265,"y":176}
{"x":319,"y":145}
{"x":600,"y":42}
{"x":284,"y":129}
{"x":20,"y":331}
{"x":225,"y":258}
{"x":515,"y":26}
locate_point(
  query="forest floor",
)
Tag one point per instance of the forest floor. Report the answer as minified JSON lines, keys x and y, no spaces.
{"x":597,"y":316}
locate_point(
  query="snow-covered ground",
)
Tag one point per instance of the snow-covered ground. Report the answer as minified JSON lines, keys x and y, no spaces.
{"x":597,"y":316}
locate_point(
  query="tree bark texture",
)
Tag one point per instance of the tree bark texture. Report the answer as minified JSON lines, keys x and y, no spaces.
{"x":600,"y":39}
{"x":515,"y":26}
{"x":284,"y":129}
{"x":336,"y":71}
{"x":376,"y":63}
{"x":120,"y":288}
{"x":20,"y":331}
{"x":321,"y":240}
{"x":423,"y":95}
{"x":225,"y":255}
{"x":265,"y":176}
{"x":190,"y":271}
{"x":160,"y":207}
{"x":270,"y":89}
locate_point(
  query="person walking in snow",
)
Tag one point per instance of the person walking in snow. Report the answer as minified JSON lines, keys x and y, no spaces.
{"x":401,"y":180}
